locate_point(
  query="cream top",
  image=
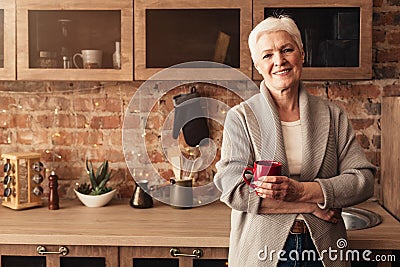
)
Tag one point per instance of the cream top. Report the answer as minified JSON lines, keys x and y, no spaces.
{"x":293,"y":145}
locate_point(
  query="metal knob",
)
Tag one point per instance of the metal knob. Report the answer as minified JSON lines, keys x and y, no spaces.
{"x":197,"y":253}
{"x":63,"y":251}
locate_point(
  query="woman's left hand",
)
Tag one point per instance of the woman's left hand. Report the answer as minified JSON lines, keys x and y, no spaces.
{"x":279,"y":188}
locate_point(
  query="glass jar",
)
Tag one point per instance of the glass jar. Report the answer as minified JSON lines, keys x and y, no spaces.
{"x":47,"y":59}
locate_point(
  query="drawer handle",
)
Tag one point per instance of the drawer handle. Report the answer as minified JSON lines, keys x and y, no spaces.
{"x":176,"y":252}
{"x":63,"y":251}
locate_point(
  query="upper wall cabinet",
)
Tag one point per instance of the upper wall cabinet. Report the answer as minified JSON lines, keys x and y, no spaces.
{"x":74,"y":40}
{"x":7,"y":40}
{"x":171,"y":32}
{"x":336,"y":35}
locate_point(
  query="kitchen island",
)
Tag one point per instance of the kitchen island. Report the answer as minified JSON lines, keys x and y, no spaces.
{"x":119,"y":228}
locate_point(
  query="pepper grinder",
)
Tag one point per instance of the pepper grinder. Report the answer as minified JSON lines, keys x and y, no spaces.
{"x":53,"y":194}
{"x":140,"y":199}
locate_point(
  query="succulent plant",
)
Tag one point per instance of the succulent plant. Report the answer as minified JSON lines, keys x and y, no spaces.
{"x":98,"y":180}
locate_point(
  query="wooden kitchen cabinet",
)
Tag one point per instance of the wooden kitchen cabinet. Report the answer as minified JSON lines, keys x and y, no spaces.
{"x":172,"y":32}
{"x":83,"y":256}
{"x":50,"y":33}
{"x":336,"y":35}
{"x":161,"y":257}
{"x":7,"y":40}
{"x":155,"y":35}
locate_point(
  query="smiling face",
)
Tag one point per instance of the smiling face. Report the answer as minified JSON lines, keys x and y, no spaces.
{"x":279,"y":60}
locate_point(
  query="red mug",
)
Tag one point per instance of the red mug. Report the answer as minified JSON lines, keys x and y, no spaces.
{"x":262,"y":168}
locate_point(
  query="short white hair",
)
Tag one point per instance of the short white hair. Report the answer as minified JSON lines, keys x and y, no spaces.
{"x":274,"y":24}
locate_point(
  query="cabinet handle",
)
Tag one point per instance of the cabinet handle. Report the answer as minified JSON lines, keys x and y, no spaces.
{"x":63,"y":251}
{"x":176,"y":252}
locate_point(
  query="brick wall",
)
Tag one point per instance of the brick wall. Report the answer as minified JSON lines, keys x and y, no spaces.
{"x":68,"y":122}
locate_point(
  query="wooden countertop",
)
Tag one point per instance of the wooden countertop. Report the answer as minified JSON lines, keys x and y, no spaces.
{"x":118,"y":224}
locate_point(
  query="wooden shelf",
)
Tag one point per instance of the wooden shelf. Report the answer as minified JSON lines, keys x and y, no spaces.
{"x":199,"y":38}
{"x":91,"y":31}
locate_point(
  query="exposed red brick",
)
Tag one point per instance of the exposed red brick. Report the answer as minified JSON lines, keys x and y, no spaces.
{"x":376,"y":141}
{"x":389,"y":71}
{"x":391,"y":90}
{"x":106,"y":122}
{"x":43,"y":121}
{"x":378,"y":36}
{"x":20,"y":121}
{"x":83,"y":104}
{"x":115,"y":155}
{"x":114,"y":105}
{"x":388,"y":55}
{"x":359,"y":91}
{"x":62,"y":138}
{"x":153,"y":121}
{"x":115,"y":138}
{"x":151,"y":138}
{"x":166,"y":174}
{"x":97,"y":154}
{"x":107,"y":104}
{"x":394,"y":2}
{"x":4,"y":119}
{"x":143,"y":104}
{"x":359,"y":124}
{"x":317,"y":90}
{"x":394,"y":38}
{"x":156,"y":156}
{"x":59,"y":103}
{"x":363,"y":141}
{"x":72,"y":174}
{"x":385,"y":18}
{"x":25,"y":137}
{"x":32,"y":102}
{"x":378,"y":3}
{"x":126,"y":189}
{"x":5,"y":136}
{"x":69,"y":121}
{"x":6,"y":102}
{"x":89,"y":138}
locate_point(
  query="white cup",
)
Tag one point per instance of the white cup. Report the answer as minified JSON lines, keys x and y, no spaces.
{"x":92,"y":59}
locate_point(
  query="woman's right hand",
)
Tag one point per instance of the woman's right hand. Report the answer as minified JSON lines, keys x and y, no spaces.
{"x":329,"y":215}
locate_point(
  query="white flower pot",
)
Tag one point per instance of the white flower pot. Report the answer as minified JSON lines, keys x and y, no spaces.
{"x":95,"y":201}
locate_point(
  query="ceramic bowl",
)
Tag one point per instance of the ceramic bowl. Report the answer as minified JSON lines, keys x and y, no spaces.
{"x":95,"y":201}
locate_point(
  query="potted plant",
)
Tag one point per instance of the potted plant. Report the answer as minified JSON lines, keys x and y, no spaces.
{"x":96,"y":193}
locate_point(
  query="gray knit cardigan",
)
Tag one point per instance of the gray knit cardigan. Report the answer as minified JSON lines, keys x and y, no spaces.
{"x":331,"y":156}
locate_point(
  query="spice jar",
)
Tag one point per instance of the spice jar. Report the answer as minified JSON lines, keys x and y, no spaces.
{"x":47,"y":59}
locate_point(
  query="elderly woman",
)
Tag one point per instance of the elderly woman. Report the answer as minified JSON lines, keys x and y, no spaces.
{"x":293,"y":219}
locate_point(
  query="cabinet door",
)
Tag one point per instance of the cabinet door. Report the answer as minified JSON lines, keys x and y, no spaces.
{"x":336,"y":35}
{"x":7,"y":40}
{"x":90,"y":256}
{"x":58,"y":256}
{"x":171,"y":32}
{"x":50,"y":34}
{"x":162,"y":256}
{"x":21,"y":256}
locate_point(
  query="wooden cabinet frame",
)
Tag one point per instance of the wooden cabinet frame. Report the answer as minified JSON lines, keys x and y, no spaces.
{"x":127,"y":254}
{"x":8,"y":71}
{"x":26,"y":73}
{"x":142,"y":72}
{"x":363,"y":71}
{"x":53,"y":260}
